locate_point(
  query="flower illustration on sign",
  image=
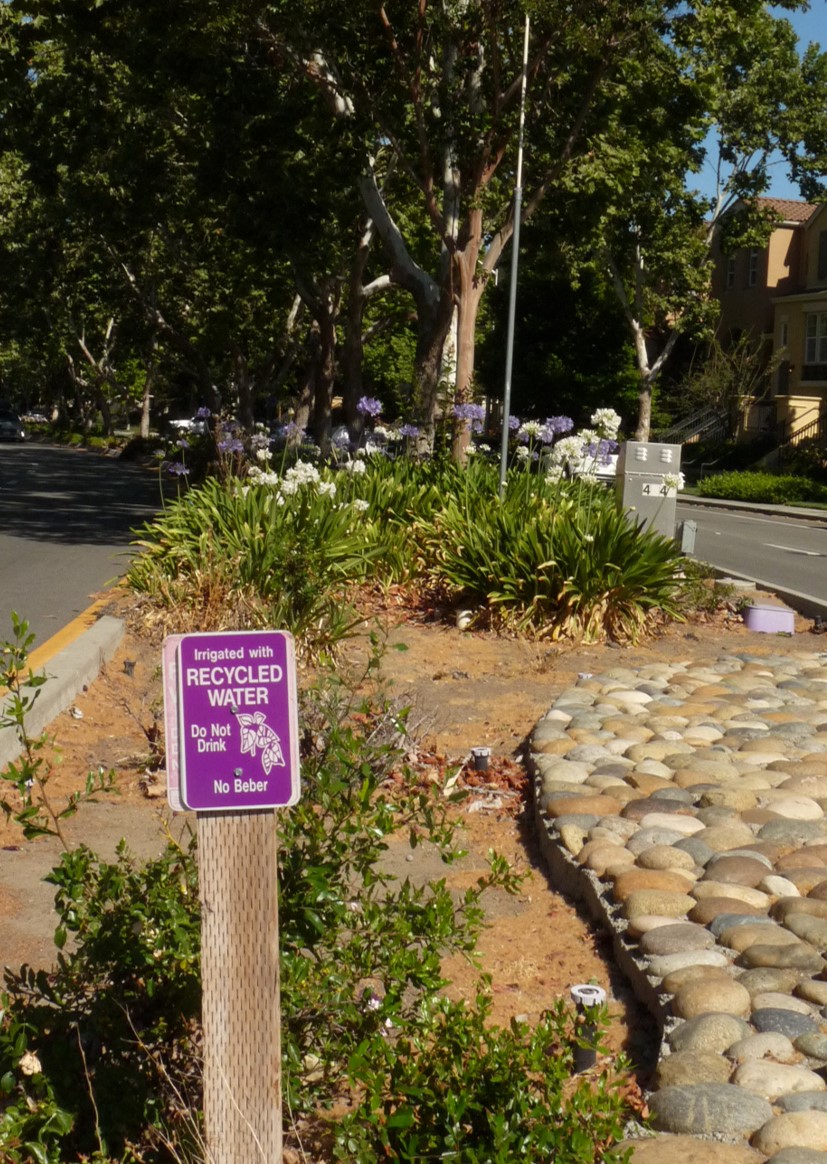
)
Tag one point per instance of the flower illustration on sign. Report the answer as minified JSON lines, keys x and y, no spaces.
{"x":256,"y":733}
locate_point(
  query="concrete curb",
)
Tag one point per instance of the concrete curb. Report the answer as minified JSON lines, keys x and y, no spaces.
{"x":68,"y":671}
{"x":795,"y":513}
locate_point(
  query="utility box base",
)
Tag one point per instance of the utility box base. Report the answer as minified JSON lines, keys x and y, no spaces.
{"x":772,"y":620}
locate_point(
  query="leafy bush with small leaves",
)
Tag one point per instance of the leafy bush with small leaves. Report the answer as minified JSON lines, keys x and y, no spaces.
{"x":701,"y":590}
{"x":26,"y":798}
{"x":771,"y":488}
{"x":808,"y":459}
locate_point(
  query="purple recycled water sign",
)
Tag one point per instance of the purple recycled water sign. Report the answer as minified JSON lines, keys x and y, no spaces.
{"x":237,"y":721}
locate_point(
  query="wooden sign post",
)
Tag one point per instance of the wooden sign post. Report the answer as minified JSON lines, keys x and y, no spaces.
{"x":233,"y":701}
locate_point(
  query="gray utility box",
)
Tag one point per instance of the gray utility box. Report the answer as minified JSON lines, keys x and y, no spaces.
{"x":641,"y":486}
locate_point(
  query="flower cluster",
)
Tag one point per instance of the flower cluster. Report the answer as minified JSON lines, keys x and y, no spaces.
{"x":607,"y":423}
{"x":369,"y":406}
{"x":542,"y":432}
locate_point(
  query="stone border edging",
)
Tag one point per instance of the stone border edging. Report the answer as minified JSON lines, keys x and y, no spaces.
{"x":586,"y":887}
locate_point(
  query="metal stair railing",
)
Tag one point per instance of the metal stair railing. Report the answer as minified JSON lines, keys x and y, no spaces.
{"x":707,"y":423}
{"x":814,"y":430}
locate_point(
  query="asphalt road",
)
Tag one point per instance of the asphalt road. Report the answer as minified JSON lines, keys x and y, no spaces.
{"x":65,"y":522}
{"x":787,"y":552}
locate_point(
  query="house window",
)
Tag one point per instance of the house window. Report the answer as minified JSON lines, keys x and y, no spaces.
{"x":752,"y":276}
{"x":730,"y":272}
{"x":815,"y":345}
{"x":784,"y":335}
{"x":822,"y":256}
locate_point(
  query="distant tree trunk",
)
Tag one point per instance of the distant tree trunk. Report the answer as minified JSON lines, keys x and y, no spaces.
{"x":244,"y":389}
{"x":149,"y":384}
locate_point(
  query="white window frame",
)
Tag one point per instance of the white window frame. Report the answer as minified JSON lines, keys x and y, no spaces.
{"x":815,"y":338}
{"x":730,"y":272}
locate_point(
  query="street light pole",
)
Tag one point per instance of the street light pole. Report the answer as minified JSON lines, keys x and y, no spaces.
{"x":515,"y":254}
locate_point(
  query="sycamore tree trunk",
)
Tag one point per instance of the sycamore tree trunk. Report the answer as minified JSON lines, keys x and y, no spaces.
{"x":323,"y":304}
{"x":245,"y":392}
{"x":471,"y":282}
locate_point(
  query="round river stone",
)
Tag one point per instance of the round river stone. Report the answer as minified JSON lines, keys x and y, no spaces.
{"x":707,"y":1108}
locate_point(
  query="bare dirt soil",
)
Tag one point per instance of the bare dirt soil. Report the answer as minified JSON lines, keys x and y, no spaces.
{"x":464,"y":689}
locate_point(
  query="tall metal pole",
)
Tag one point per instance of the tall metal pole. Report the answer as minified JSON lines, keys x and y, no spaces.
{"x":515,"y":254}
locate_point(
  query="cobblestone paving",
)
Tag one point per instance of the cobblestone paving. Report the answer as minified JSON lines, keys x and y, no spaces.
{"x":687,"y":805}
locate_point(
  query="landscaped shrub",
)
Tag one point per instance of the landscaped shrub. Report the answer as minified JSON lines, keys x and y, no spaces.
{"x":278,"y":546}
{"x":557,"y":558}
{"x":771,"y":488}
{"x":231,"y":555}
{"x":808,"y":459}
{"x":99,"y":1059}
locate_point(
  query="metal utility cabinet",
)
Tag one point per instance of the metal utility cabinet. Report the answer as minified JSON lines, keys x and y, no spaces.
{"x":641,"y":486}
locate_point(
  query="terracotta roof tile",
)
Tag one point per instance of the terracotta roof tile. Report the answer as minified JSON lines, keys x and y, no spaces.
{"x":790,"y":209}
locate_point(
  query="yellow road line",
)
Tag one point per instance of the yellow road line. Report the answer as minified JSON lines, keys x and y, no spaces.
{"x":65,"y":637}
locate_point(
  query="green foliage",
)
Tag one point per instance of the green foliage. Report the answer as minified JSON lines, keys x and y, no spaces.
{"x":700,"y":589}
{"x":482,"y":1095}
{"x":32,"y":808}
{"x":98,"y":1059}
{"x":88,"y":1051}
{"x":807,"y":459}
{"x":772,"y":488}
{"x":246,"y":556}
{"x":559,"y":559}
{"x":555,"y":558}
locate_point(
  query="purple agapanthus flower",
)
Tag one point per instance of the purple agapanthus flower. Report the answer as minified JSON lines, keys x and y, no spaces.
{"x":472,"y":412}
{"x":182,"y":444}
{"x":559,"y":424}
{"x":514,"y":423}
{"x":409,"y":430}
{"x":293,"y":432}
{"x":601,"y":450}
{"x":178,"y":470}
{"x":231,"y":445}
{"x":369,"y":406}
{"x":203,"y":414}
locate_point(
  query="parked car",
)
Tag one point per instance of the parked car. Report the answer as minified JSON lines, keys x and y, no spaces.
{"x":194,"y":425}
{"x":11,"y":427}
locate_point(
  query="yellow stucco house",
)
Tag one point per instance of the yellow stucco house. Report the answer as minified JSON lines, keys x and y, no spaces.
{"x":778,"y":294}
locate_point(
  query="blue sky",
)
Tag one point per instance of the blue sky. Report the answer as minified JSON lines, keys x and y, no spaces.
{"x":810,"y":26}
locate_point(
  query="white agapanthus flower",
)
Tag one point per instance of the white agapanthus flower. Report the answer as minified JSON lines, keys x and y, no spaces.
{"x":263,"y":455}
{"x":567,"y":449}
{"x":674,"y":480}
{"x":484,"y":448}
{"x":302,"y":473}
{"x":361,"y":505}
{"x":522,"y":453}
{"x":530,"y":429}
{"x":357,"y":467}
{"x":554,"y":474}
{"x":289,"y":488}
{"x":327,"y":489}
{"x":607,"y":423}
